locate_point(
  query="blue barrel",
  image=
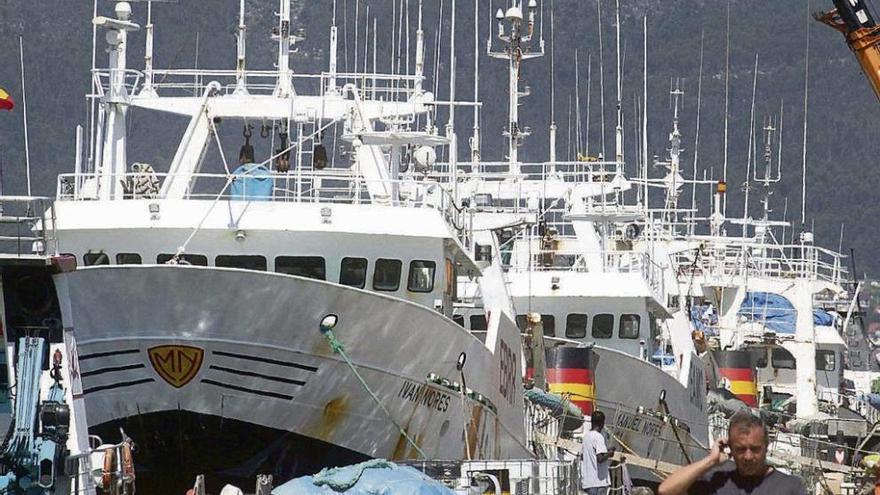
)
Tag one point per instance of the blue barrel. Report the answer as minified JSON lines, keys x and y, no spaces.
{"x":252,"y":182}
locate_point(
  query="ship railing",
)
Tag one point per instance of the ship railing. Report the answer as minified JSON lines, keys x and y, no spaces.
{"x":102,"y":81}
{"x":86,"y":471}
{"x":193,"y":82}
{"x":852,"y":401}
{"x":566,"y":171}
{"x":27,"y":226}
{"x":589,"y":261}
{"x":330,"y":186}
{"x":735,"y":257}
{"x":540,"y":426}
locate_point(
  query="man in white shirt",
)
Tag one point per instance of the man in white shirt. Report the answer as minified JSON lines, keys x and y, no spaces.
{"x":596,"y":457}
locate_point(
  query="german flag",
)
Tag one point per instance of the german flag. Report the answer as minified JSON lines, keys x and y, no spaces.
{"x":6,"y":102}
{"x":736,"y":367}
{"x":569,"y":374}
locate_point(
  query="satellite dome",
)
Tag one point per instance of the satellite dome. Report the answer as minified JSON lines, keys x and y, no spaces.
{"x":514,"y":14}
{"x":123,"y":11}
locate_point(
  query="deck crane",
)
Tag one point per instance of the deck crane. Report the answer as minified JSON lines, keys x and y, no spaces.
{"x":854,"y":19}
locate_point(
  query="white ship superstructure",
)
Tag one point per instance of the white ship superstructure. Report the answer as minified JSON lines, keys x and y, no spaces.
{"x":555,"y":227}
{"x":204,"y":303}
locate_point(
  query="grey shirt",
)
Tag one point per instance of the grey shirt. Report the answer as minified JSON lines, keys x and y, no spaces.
{"x":724,"y":480}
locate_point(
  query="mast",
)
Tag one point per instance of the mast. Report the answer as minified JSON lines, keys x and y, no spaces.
{"x":577,"y":106}
{"x":420,"y":53}
{"x":553,"y":127}
{"x":240,"y":75}
{"x":601,"y":78}
{"x":284,"y":88}
{"x":726,"y":104}
{"x":27,"y":148}
{"x":475,"y":139}
{"x":334,"y":49}
{"x":769,"y":177}
{"x":691,"y":222}
{"x":618,"y":134}
{"x":518,"y":43}
{"x":673,"y":180}
{"x":450,"y":125}
{"x":747,"y":185}
{"x":112,"y":165}
{"x":148,"y":54}
{"x":645,"y":110}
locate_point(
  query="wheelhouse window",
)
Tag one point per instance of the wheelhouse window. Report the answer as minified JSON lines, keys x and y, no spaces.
{"x":759,"y":357}
{"x":782,"y":359}
{"x":245,"y":262}
{"x":93,"y":259}
{"x":459,"y":320}
{"x":522,"y":322}
{"x":603,"y":326}
{"x":187,"y":259}
{"x":549,"y":322}
{"x":128,"y":259}
{"x":353,"y":272}
{"x":576,"y":326}
{"x":302,"y":266}
{"x":386,"y":276}
{"x":421,"y":276}
{"x":825,"y":360}
{"x":629,"y":326}
{"x":479,"y":323}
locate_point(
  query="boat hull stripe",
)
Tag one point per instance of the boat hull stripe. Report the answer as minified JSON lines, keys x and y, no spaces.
{"x":264,"y":393}
{"x":266,"y":360}
{"x":116,"y":385}
{"x":86,"y":357}
{"x":257,"y":375}
{"x":111,"y":369}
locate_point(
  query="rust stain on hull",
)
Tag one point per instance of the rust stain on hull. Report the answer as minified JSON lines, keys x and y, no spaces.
{"x":335,"y":411}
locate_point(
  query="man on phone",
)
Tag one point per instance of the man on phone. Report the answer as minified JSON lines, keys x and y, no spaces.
{"x":747,"y":474}
{"x":596,"y":457}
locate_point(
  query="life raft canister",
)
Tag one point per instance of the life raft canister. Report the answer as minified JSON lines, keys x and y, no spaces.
{"x":736,"y":367}
{"x":569,"y":372}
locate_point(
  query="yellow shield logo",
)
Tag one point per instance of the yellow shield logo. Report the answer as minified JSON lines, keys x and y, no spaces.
{"x":176,"y":364}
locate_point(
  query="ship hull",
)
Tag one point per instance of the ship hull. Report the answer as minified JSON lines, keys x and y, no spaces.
{"x":224,"y":346}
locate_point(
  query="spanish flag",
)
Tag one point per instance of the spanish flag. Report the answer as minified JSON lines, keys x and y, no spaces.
{"x":6,"y":102}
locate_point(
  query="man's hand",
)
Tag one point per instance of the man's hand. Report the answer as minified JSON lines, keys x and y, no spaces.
{"x":716,"y":455}
{"x":680,"y":481}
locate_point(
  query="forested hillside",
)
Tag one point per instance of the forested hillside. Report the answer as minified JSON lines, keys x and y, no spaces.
{"x":843,"y":114}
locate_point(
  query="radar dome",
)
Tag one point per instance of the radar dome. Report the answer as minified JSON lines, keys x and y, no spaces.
{"x":424,"y":158}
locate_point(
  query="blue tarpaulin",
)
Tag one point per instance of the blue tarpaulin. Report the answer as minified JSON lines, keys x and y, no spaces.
{"x":822,"y":318}
{"x":252,"y":183}
{"x":376,"y":477}
{"x":704,"y":319}
{"x":774,"y":311}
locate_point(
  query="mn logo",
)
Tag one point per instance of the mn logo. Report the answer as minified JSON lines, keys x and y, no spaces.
{"x":176,"y":364}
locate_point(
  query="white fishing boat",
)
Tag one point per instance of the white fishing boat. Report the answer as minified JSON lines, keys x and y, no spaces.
{"x":288,"y":313}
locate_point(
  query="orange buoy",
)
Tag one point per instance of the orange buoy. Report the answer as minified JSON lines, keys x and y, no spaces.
{"x":569,"y":373}
{"x":739,"y":374}
{"x":109,"y":469}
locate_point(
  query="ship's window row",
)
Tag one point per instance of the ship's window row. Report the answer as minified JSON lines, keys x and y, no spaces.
{"x":353,"y":271}
{"x":781,"y":358}
{"x":576,"y":324}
